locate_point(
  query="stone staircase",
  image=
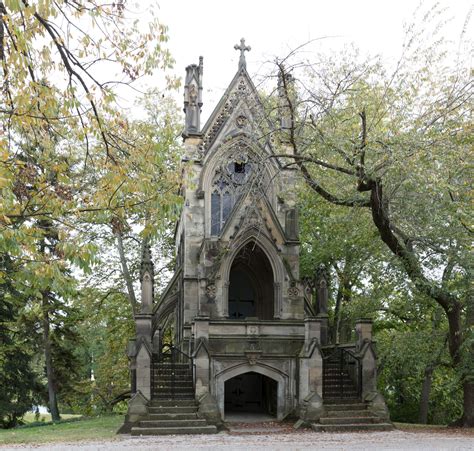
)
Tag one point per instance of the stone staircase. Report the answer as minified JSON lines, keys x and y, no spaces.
{"x":172,"y":381}
{"x":169,"y":416}
{"x":337,"y":383}
{"x":173,"y":409}
{"x":352,"y":415}
{"x":344,"y":410}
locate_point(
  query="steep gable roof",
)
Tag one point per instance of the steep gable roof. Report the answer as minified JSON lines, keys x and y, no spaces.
{"x":240,"y":94}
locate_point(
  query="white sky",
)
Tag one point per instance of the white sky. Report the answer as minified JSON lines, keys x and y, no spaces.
{"x":272,"y":28}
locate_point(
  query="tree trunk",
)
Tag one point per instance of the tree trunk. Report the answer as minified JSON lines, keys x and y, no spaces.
{"x":337,"y":315}
{"x":468,"y":414}
{"x":425,"y":395}
{"x":53,"y":400}
{"x":343,"y":297}
{"x":448,"y":301}
{"x":467,"y":419}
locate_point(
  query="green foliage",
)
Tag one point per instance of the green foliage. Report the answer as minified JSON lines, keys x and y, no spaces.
{"x":393,"y":145}
{"x":76,"y":171}
{"x":106,"y":326}
{"x":405,"y":353}
{"x":19,"y":384}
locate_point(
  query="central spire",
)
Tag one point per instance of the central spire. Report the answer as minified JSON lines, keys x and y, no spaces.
{"x":242,"y":47}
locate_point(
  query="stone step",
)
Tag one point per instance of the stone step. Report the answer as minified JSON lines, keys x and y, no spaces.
{"x":338,"y":380}
{"x":332,"y":400}
{"x":349,"y":420}
{"x":170,"y":366}
{"x":336,"y":384}
{"x":173,"y":377}
{"x":344,"y":393}
{"x":340,"y":390}
{"x":335,"y":373}
{"x":169,"y":388}
{"x":351,"y":427}
{"x":172,"y":380}
{"x":172,"y":371}
{"x":172,"y":416}
{"x":177,"y":377}
{"x":181,"y":397}
{"x":165,"y":394}
{"x":167,"y":402}
{"x":344,"y":404}
{"x":173,"y":409}
{"x":172,"y":423}
{"x":346,"y":413}
{"x":167,"y":385}
{"x":210,"y":429}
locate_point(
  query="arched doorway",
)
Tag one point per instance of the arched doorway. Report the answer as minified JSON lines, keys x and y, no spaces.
{"x":251,"y":285}
{"x":251,"y":393}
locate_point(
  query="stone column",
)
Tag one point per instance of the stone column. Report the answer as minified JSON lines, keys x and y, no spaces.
{"x":201,"y":357}
{"x":368,"y":359}
{"x":208,"y":407}
{"x":143,"y":325}
{"x":376,"y":403}
{"x":143,"y":370}
{"x":321,"y":287}
{"x":311,"y":374}
{"x":312,"y":329}
{"x":363,"y":328}
{"x":157,"y":341}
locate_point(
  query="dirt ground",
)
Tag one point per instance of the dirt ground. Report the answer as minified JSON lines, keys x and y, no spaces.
{"x":274,"y":436}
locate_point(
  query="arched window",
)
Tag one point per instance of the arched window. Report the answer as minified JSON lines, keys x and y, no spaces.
{"x":227,"y":187}
{"x":222,"y":202}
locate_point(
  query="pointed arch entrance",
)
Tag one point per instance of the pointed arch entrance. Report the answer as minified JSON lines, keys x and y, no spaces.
{"x":251,"y":285}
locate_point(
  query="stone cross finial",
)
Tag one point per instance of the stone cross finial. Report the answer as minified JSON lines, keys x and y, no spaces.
{"x":242,"y":47}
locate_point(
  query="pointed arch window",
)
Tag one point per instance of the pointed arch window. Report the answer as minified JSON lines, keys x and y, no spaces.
{"x":222,"y":202}
{"x":231,"y":180}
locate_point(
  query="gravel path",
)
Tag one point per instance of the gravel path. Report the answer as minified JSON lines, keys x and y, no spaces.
{"x":277,"y":440}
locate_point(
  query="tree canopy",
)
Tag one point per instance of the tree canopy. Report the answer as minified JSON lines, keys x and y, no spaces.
{"x":395,"y":144}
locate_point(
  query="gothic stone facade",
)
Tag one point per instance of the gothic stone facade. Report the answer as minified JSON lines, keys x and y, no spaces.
{"x":236,"y":298}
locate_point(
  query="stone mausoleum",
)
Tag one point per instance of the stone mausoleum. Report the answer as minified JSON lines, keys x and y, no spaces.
{"x":247,"y":337}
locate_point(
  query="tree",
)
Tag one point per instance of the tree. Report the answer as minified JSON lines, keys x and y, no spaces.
{"x":397,"y":144}
{"x":70,"y":159}
{"x":18,"y":382}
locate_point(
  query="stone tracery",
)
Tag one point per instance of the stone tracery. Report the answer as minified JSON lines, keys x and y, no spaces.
{"x":232,"y":179}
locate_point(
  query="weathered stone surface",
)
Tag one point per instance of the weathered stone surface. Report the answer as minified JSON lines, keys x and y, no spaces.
{"x":137,"y":409}
{"x":312,"y":408}
{"x":239,"y":306}
{"x":209,"y":410}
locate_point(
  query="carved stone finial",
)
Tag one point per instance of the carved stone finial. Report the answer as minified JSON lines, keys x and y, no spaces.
{"x":242,"y":47}
{"x":286,"y":89}
{"x":193,"y":98}
{"x":321,"y":286}
{"x":146,"y":279}
{"x":146,"y":265}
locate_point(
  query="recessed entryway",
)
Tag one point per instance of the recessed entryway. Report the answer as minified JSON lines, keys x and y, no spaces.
{"x":252,"y":396}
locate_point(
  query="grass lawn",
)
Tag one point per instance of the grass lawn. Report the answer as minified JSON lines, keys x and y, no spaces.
{"x":45,"y":417}
{"x":103,"y":427}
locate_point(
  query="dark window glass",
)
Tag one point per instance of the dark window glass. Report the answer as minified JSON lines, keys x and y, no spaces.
{"x":215,"y":213}
{"x":239,"y":168}
{"x":226,"y":206}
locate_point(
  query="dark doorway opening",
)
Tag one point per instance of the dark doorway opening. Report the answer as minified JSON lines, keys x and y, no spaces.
{"x":251,"y":285}
{"x":251,"y":393}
